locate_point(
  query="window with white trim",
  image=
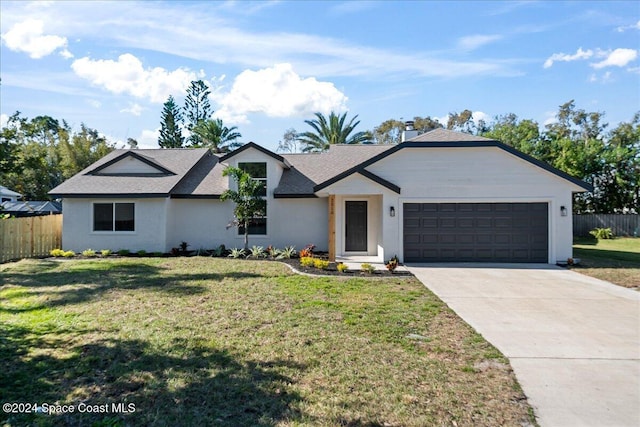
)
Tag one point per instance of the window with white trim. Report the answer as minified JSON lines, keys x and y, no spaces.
{"x":257,"y":171}
{"x":114,"y":217}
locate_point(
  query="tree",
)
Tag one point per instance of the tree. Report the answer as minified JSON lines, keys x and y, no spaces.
{"x":170,"y":132}
{"x":132,"y":143}
{"x":289,"y":142}
{"x":85,"y":148}
{"x":390,"y":131}
{"x":332,"y":131}
{"x":523,"y":135}
{"x":197,"y":108}
{"x":249,"y":202}
{"x":217,"y":137}
{"x":462,"y":122}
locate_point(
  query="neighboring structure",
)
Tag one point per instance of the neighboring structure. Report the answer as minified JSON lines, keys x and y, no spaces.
{"x":7,"y":195}
{"x":31,"y":208}
{"x":440,"y":196}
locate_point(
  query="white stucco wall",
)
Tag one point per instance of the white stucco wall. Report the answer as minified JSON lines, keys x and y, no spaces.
{"x":484,"y":174}
{"x":149,"y":234}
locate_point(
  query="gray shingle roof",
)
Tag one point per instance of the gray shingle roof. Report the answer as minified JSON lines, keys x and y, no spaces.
{"x":179,"y":161}
{"x":446,"y":135}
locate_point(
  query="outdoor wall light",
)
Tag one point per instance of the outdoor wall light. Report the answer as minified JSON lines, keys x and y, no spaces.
{"x":563,"y":211}
{"x":392,"y":211}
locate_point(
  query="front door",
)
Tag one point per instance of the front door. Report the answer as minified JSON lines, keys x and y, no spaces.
{"x":355,"y":239}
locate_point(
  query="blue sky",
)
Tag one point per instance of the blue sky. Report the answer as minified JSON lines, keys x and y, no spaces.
{"x":271,"y":65}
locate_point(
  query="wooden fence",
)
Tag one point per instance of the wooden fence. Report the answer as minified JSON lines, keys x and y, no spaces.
{"x":620,"y":224}
{"x":29,"y":237}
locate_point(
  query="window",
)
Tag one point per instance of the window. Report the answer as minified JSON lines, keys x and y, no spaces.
{"x":113,"y":217}
{"x":257,"y":171}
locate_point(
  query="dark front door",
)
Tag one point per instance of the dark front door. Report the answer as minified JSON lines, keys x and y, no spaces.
{"x":355,"y":226}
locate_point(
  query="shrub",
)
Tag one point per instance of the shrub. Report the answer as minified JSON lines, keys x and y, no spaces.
{"x":273,"y":252}
{"x":287,"y":252}
{"x":89,"y":253}
{"x":158,"y":254}
{"x":124,"y":252}
{"x":320,"y":263}
{"x":69,"y":254}
{"x":141,"y":252}
{"x":341,"y":267}
{"x":183,"y":246}
{"x":306,"y":261}
{"x":368,"y":268}
{"x":105,"y":252}
{"x":307,"y":251}
{"x":56,"y":252}
{"x":392,"y":264}
{"x":256,"y":252}
{"x":219,"y":251}
{"x":602,"y":233}
{"x":236,"y":253}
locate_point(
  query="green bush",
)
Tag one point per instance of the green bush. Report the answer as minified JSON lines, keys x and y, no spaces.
{"x":320,"y":264}
{"x":56,"y":252}
{"x":105,"y":252}
{"x":368,"y":268}
{"x":287,"y":252}
{"x":256,"y":252}
{"x":141,"y":252}
{"x":69,"y":254}
{"x":236,"y":253}
{"x":341,"y":267}
{"x":306,"y":261}
{"x":124,"y":252}
{"x":602,"y":233}
{"x":89,"y":253}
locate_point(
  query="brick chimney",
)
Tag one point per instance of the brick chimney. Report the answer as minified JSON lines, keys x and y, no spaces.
{"x":409,"y":132}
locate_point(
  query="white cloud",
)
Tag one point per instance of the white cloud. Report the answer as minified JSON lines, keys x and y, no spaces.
{"x":476,"y":41}
{"x":635,"y":70}
{"x":479,"y":115}
{"x":28,"y":36}
{"x":4,"y":119}
{"x":133,"y":108}
{"x":624,"y":28}
{"x":66,"y":54}
{"x":94,"y":103}
{"x":127,"y":75}
{"x":617,"y":58}
{"x":580,"y":54}
{"x":277,"y":92}
{"x":148,"y":138}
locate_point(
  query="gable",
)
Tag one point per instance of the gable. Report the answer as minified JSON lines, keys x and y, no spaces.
{"x":131,"y":164}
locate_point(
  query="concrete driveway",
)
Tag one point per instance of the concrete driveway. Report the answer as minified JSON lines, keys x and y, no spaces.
{"x":573,"y":341}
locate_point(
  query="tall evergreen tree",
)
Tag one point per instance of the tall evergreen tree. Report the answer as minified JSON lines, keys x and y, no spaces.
{"x":170,"y":132}
{"x":197,"y":108}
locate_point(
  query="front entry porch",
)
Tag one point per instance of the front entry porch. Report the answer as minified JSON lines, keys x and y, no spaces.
{"x":355,"y":227}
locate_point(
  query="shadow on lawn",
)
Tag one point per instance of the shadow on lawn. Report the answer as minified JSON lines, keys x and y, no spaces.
{"x":189,"y":383}
{"x":93,"y":279}
{"x":607,"y":258}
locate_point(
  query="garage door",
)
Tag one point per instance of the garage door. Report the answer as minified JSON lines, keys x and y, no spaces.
{"x":476,"y":232}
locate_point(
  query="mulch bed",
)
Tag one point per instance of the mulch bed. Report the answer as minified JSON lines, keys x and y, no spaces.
{"x":332,"y":270}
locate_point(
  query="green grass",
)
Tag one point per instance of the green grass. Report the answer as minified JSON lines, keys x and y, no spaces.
{"x":202,"y":341}
{"x":615,"y":260}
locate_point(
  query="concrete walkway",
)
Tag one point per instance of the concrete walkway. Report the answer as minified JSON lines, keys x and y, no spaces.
{"x":573,"y":341}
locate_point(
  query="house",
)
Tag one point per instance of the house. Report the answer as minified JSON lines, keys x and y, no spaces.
{"x":7,"y":195}
{"x":440,"y":196}
{"x":31,"y":208}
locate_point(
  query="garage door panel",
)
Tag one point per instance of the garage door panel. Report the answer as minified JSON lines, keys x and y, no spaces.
{"x":497,"y":232}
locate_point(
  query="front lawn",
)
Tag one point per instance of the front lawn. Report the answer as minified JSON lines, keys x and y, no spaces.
{"x":615,"y":260}
{"x":203,"y":341}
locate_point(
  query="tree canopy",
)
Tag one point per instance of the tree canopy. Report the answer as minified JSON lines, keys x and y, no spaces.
{"x":197,"y":108}
{"x":331,"y":131}
{"x":214,"y":135}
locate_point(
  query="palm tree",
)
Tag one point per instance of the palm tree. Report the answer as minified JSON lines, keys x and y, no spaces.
{"x":216,"y":136}
{"x":332,"y":131}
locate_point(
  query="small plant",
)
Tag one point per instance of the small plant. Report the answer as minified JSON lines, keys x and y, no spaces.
{"x":56,"y":252}
{"x":256,"y":252}
{"x":342,"y":267}
{"x":157,"y":254}
{"x":236,"y":253}
{"x":124,"y":252}
{"x":69,"y":254}
{"x":367,"y":268}
{"x":392,"y":264}
{"x":320,"y":264}
{"x":89,"y":253}
{"x":287,"y":252}
{"x":183,"y":246}
{"x":219,"y":251}
{"x":602,"y":233}
{"x":307,"y":251}
{"x":273,"y":252}
{"x":105,"y":252}
{"x":306,"y":261}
